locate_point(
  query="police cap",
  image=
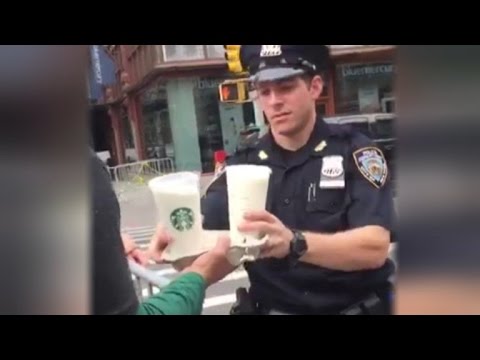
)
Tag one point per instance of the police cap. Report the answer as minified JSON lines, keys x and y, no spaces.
{"x":276,"y":62}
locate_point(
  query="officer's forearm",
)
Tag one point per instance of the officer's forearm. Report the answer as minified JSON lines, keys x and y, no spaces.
{"x":359,"y":249}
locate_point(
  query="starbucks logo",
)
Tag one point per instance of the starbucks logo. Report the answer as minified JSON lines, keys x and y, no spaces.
{"x":182,"y":219}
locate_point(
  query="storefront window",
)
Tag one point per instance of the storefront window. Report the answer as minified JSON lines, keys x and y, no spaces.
{"x":248,"y":114}
{"x":384,"y":128}
{"x":129,"y":144}
{"x":208,"y":120}
{"x":183,"y":52}
{"x":363,"y":88}
{"x":156,"y":121}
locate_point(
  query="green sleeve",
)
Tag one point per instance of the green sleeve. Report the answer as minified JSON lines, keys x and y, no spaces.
{"x":184,"y":296}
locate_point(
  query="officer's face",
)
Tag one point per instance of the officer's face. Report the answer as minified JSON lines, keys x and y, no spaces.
{"x":289,"y":104}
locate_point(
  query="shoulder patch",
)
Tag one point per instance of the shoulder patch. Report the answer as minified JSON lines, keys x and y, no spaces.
{"x":372,"y":165}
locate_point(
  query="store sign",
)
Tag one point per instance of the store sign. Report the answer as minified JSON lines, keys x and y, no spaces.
{"x":101,"y":72}
{"x":367,"y":70}
{"x":206,"y":83}
{"x":97,"y":68}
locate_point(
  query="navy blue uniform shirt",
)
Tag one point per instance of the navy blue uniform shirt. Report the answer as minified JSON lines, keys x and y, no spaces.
{"x":300,"y":196}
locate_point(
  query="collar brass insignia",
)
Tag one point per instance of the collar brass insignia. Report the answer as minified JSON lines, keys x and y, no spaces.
{"x":320,"y":147}
{"x":263,"y":155}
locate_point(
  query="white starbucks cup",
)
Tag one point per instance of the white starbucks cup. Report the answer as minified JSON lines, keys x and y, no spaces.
{"x":247,"y":191}
{"x":177,"y":200}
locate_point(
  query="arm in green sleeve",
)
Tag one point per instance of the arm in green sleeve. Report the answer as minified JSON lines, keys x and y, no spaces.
{"x":184,"y":296}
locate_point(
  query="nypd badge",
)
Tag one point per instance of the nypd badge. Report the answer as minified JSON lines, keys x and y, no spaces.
{"x":332,"y":166}
{"x":372,"y":165}
{"x":332,"y":173}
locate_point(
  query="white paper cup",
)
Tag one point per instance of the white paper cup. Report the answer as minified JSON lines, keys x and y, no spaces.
{"x":247,"y":191}
{"x":177,"y":200}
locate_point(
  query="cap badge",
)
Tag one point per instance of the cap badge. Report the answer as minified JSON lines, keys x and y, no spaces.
{"x":271,"y":50}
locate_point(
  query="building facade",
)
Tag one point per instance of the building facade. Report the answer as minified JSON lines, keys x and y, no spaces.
{"x":164,"y":101}
{"x":363,"y":78}
{"x":101,"y":74}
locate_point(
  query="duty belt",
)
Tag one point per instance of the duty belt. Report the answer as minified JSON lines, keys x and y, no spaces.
{"x":371,"y":305}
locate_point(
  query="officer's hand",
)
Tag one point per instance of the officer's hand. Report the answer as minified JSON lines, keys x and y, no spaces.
{"x":278,"y":235}
{"x":213,"y":266}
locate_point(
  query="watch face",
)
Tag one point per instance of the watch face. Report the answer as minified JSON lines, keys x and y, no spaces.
{"x":299,"y":245}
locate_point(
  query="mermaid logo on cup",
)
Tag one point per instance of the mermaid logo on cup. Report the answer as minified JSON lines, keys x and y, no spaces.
{"x":182,"y":219}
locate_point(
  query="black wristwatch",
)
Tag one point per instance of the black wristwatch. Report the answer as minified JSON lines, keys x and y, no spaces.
{"x":298,"y":246}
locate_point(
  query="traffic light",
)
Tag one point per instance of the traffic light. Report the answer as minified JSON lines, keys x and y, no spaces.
{"x":232,"y":55}
{"x":234,"y":91}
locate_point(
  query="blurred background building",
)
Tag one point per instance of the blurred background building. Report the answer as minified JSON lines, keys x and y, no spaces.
{"x":161,"y":101}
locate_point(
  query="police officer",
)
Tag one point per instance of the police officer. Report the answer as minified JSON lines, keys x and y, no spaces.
{"x":248,"y":136}
{"x":330,"y":206}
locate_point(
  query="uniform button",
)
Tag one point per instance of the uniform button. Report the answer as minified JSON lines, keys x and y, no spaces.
{"x":286,"y":202}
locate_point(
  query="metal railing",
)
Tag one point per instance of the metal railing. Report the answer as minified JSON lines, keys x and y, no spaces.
{"x":142,"y":171}
{"x":146,"y":281}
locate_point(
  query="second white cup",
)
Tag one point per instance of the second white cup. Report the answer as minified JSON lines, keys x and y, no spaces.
{"x":247,"y":191}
